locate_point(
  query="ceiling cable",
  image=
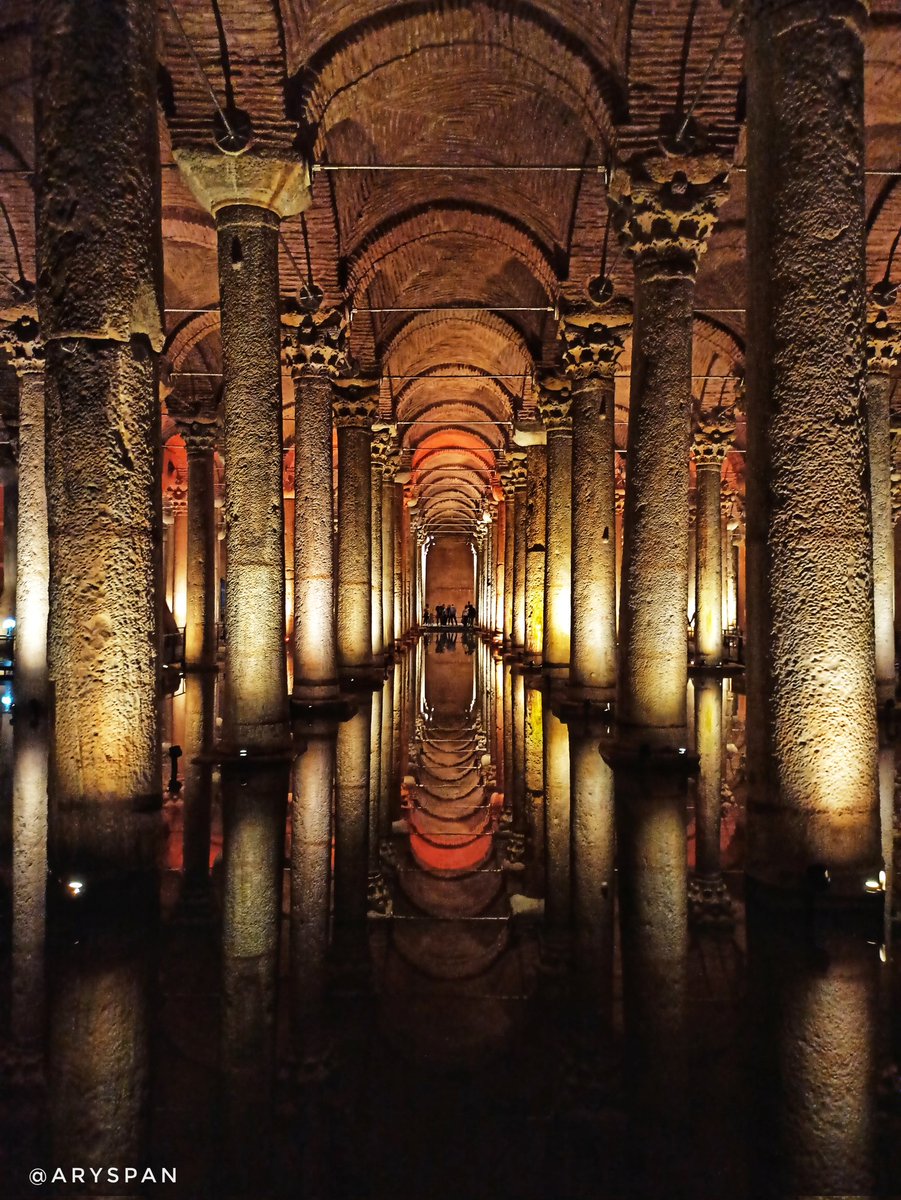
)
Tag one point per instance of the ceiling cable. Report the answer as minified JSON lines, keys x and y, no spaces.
{"x":197,"y":63}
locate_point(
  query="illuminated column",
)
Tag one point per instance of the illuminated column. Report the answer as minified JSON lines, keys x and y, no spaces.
{"x":314,"y":345}
{"x":398,"y":553}
{"x":381,"y":443}
{"x":665,"y":208}
{"x":883,"y":353}
{"x":177,"y":494}
{"x":389,"y":539}
{"x":620,"y":505}
{"x":500,"y":576}
{"x":535,"y":517}
{"x":517,"y":463}
{"x":355,"y":407}
{"x":10,"y":537}
{"x":708,"y":897}
{"x":534,"y":781}
{"x":712,"y":437}
{"x":593,"y":339}
{"x":558,"y":841}
{"x":311,"y":852}
{"x":509,"y":556}
{"x":378,"y":898}
{"x":516,"y":844}
{"x":99,"y":299}
{"x":554,"y":407}
{"x":248,"y":196}
{"x":31,"y":727}
{"x":812,"y":738}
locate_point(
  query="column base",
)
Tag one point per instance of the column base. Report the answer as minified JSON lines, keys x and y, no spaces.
{"x":364,"y":678}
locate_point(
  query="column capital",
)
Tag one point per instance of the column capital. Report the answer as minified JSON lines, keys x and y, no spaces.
{"x":314,"y":341}
{"x":258,"y":180}
{"x":176,"y":493}
{"x":555,"y":402}
{"x":381,"y":449}
{"x":516,"y":463}
{"x":355,"y":402}
{"x":393,"y":460}
{"x":593,"y":337}
{"x":712,"y":436}
{"x":665,"y":206}
{"x":883,"y":340}
{"x":21,"y":339}
{"x":197,"y":420}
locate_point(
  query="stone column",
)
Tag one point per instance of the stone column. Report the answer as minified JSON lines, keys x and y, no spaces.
{"x":177,"y":495}
{"x":99,"y":301}
{"x":517,"y":463}
{"x":593,"y":340}
{"x":10,"y":543}
{"x":509,"y":556}
{"x":536,"y":549}
{"x":558,"y":841}
{"x":812,"y":738}
{"x":389,"y":537}
{"x":665,"y":208}
{"x":554,"y":407}
{"x":619,"y":493}
{"x":400,"y":628}
{"x":355,"y":407}
{"x":315,"y":348}
{"x":249,"y":195}
{"x":31,"y":727}
{"x":712,"y":437}
{"x":883,"y":353}
{"x":381,"y":443}
{"x":709,"y":902}
{"x":197,"y":425}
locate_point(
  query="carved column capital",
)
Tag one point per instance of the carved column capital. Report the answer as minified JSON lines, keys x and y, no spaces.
{"x":315,"y":342}
{"x":665,"y":206}
{"x":21,"y":339}
{"x":197,"y":420}
{"x":712,"y":437}
{"x":176,"y":493}
{"x":883,"y":340}
{"x":555,"y":402}
{"x":518,"y":476}
{"x":355,"y":403}
{"x":381,"y":449}
{"x":593,"y":337}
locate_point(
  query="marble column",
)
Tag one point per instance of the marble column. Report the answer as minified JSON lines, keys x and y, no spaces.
{"x":30,"y":687}
{"x":554,"y":407}
{"x":593,"y":339}
{"x":812,"y":738}
{"x":883,"y":354}
{"x":535,"y":517}
{"x":665,"y":208}
{"x":355,"y":407}
{"x":315,"y":348}
{"x":712,"y":436}
{"x":381,"y":443}
{"x":99,"y":298}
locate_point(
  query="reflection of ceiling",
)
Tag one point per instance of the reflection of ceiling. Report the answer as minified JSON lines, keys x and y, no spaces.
{"x":486,"y":252}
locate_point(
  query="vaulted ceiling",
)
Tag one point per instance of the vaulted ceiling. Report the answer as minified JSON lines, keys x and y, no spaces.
{"x":459,"y":151}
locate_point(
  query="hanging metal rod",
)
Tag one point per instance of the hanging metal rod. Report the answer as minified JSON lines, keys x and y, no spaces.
{"x":714,"y":58}
{"x":416,"y":308}
{"x":454,"y":422}
{"x":469,"y":168}
{"x":878,"y":172}
{"x":197,"y":63}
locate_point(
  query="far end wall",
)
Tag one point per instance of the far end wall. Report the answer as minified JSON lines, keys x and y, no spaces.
{"x":450,"y":574}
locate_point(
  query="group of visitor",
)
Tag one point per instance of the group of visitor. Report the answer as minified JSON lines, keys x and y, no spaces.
{"x":446,"y":614}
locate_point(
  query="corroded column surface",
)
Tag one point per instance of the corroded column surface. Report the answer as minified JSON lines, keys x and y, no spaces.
{"x":355,"y":409}
{"x":883,"y":353}
{"x":536,"y":549}
{"x":381,"y":442}
{"x":509,"y":559}
{"x":811,"y":680}
{"x":518,"y":480}
{"x":256,"y":683}
{"x":398,"y":553}
{"x":388,"y":543}
{"x":555,"y":415}
{"x":711,"y":443}
{"x":594,"y":339}
{"x":10,"y":545}
{"x":665,"y":208}
{"x":315,"y":349}
{"x":99,"y":302}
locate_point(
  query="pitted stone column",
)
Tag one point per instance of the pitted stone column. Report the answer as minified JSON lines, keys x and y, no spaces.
{"x":381,"y":443}
{"x":389,"y":539}
{"x":812,"y":738}
{"x":554,"y":407}
{"x":500,"y":587}
{"x":536,"y":549}
{"x":248,"y":195}
{"x":10,"y":541}
{"x":665,"y":208}
{"x":712,"y":438}
{"x":355,"y":407}
{"x":99,"y":302}
{"x":883,"y":354}
{"x":518,"y":477}
{"x":197,"y":426}
{"x":509,"y":556}
{"x":315,"y":348}
{"x":593,"y":339}
{"x":31,"y":728}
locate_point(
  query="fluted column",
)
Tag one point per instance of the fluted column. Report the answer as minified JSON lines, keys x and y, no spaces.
{"x":314,"y":345}
{"x":593,"y":340}
{"x":355,"y":407}
{"x":99,"y":302}
{"x":712,"y":437}
{"x":554,"y":407}
{"x":665,"y":208}
{"x":812,"y":738}
{"x":883,"y":354}
{"x":381,"y":443}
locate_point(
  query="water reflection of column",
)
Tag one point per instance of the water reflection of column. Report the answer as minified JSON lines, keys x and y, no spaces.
{"x":253,"y":802}
{"x":593,"y":888}
{"x":517,"y":842}
{"x":351,"y":828}
{"x":102,"y":956}
{"x":708,"y":897}
{"x":311,"y":846}
{"x":812,"y":999}
{"x":200,"y":731}
{"x":506,"y":781}
{"x":534,"y":772}
{"x":651,"y":849}
{"x":377,"y":894}
{"x":558,"y":895}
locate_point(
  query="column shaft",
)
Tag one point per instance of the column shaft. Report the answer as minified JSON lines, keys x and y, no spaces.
{"x":200,"y":625}
{"x":558,"y":570}
{"x":709,"y":566}
{"x":509,"y":566}
{"x":536,"y":549}
{"x":879,"y":387}
{"x":387,"y":580}
{"x":375,"y":518}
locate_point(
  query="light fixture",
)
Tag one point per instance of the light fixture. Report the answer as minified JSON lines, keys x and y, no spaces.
{"x":9,"y":625}
{"x":7,"y":701}
{"x":75,"y":886}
